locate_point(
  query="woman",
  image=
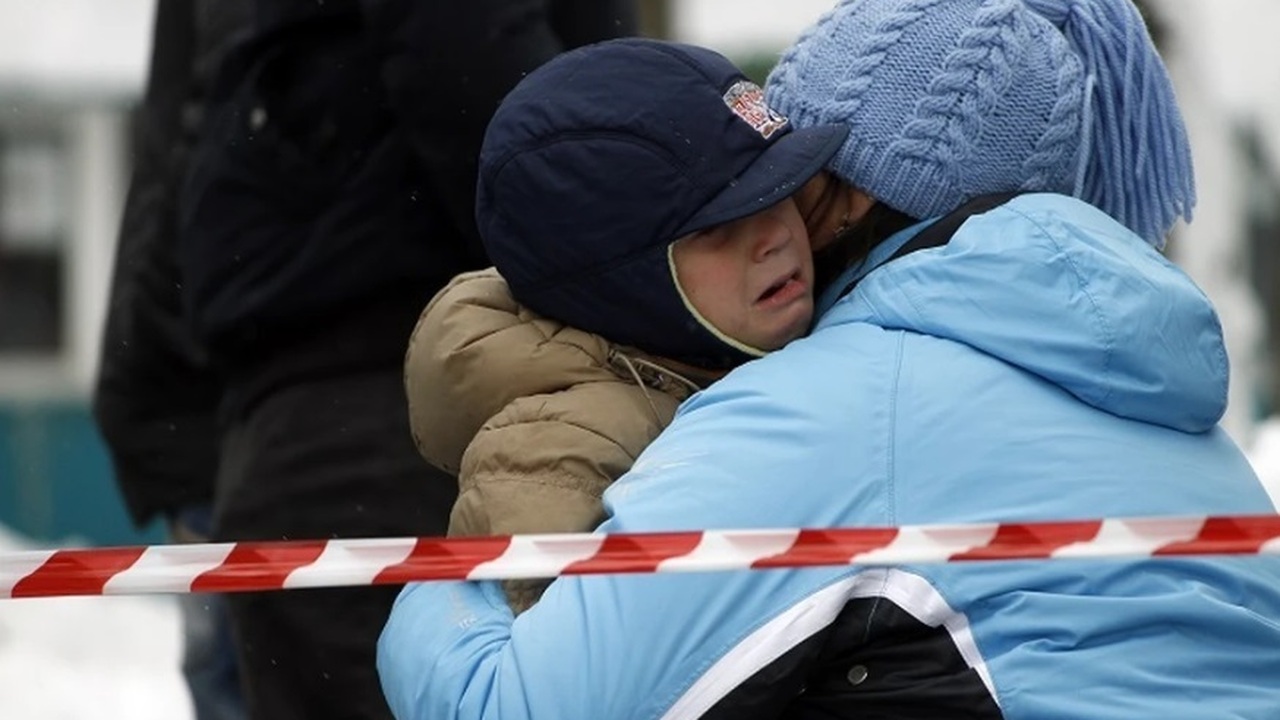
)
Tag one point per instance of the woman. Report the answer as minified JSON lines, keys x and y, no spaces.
{"x":990,"y":352}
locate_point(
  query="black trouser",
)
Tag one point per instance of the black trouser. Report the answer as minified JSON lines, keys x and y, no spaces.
{"x":324,"y":459}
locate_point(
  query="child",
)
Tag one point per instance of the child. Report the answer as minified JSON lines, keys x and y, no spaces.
{"x":635,"y":198}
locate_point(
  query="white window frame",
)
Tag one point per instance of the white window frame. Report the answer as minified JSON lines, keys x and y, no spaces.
{"x":94,"y":136}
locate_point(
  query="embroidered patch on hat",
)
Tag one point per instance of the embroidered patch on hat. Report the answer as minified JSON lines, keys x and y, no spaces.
{"x":746,"y":100}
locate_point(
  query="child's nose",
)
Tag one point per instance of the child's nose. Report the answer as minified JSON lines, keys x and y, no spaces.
{"x":770,"y":234}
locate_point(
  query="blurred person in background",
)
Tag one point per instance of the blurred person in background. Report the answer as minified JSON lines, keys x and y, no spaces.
{"x":155,"y":393}
{"x":329,"y":195}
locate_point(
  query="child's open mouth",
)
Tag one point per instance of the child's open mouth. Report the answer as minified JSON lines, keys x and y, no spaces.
{"x":783,"y":291}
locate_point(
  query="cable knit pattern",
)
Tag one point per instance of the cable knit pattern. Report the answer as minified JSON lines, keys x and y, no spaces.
{"x":801,"y":67}
{"x":860,"y":73}
{"x":950,"y":99}
{"x":949,"y":119}
{"x":790,"y":72}
{"x":1061,"y":141}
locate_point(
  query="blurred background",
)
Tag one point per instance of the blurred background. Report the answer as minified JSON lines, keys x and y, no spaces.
{"x":70,"y":71}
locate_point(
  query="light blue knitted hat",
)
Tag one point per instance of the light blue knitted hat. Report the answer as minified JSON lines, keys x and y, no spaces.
{"x":950,"y":99}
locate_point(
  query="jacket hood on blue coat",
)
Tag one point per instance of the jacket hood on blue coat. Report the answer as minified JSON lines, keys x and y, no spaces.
{"x":1056,"y":287}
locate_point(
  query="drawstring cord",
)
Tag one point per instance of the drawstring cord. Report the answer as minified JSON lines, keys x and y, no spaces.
{"x":640,"y":381}
{"x":693,"y":386}
{"x":630,"y":363}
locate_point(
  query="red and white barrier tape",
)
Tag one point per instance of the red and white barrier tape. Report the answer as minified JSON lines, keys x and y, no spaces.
{"x":246,"y":566}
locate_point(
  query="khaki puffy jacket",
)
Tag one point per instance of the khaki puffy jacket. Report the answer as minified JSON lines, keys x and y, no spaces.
{"x":535,"y":418}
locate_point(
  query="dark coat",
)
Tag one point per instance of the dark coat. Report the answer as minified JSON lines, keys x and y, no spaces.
{"x":154,"y":391}
{"x":334,"y":190}
{"x":328,"y":195}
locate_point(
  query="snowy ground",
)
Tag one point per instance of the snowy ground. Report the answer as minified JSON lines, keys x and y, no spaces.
{"x":117,"y":658}
{"x":103,"y":658}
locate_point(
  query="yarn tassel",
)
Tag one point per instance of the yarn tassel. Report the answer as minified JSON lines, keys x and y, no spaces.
{"x":1138,"y":162}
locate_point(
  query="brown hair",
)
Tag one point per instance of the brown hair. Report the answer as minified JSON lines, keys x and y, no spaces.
{"x":852,"y":244}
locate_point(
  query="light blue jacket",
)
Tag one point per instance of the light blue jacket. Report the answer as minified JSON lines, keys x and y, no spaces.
{"x":1045,"y":364}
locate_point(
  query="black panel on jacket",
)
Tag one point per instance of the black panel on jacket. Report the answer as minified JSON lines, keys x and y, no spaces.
{"x":874,"y":662}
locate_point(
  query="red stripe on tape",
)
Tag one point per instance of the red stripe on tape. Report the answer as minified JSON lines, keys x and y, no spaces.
{"x":258,"y":566}
{"x":635,"y":554}
{"x":435,"y":559}
{"x":77,"y":572}
{"x":1227,"y":535}
{"x":267,"y":565}
{"x":1035,"y":541}
{"x":829,"y":547}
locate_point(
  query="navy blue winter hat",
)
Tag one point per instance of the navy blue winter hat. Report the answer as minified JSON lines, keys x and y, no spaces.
{"x":603,"y":157}
{"x":950,"y":99}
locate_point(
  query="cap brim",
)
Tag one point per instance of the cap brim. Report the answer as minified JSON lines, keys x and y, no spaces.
{"x":774,"y":176}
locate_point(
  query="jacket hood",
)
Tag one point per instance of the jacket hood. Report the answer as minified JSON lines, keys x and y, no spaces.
{"x":475,"y":350}
{"x":603,"y":157}
{"x":1056,"y":287}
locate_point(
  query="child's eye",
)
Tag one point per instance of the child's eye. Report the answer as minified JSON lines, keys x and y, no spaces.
{"x":710,"y":234}
{"x":708,"y":239}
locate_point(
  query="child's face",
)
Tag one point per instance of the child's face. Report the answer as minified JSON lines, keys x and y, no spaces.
{"x":751,"y":278}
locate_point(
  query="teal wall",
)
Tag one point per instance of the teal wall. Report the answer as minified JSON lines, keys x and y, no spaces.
{"x":55,"y":479}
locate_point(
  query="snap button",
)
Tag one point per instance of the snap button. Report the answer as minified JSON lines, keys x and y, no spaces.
{"x":857,"y":674}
